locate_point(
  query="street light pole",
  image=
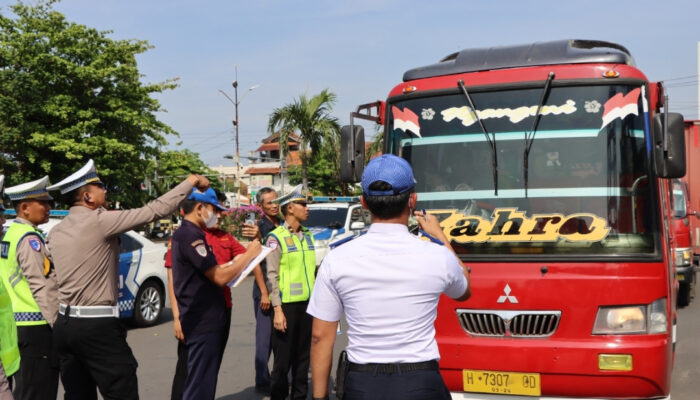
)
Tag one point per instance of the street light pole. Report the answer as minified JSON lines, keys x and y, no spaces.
{"x":235,"y":125}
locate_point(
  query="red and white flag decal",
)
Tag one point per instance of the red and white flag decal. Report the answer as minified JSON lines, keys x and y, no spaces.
{"x":620,"y":106}
{"x":406,"y":120}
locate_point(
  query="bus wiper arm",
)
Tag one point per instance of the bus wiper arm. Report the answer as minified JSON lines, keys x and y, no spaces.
{"x":491,"y":141}
{"x":530,"y":136}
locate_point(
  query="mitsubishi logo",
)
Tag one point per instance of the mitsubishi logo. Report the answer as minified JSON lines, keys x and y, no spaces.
{"x":507,"y":297}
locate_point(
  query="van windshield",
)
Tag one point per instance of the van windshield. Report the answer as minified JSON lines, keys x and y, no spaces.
{"x":587,"y":190}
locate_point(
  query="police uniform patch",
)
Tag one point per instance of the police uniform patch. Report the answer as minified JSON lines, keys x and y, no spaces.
{"x":201,"y":249}
{"x":289,"y":241}
{"x":35,"y":244}
{"x":4,"y":249}
{"x":272,"y":243}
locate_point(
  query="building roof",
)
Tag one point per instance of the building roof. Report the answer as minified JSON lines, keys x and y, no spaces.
{"x":262,"y":170}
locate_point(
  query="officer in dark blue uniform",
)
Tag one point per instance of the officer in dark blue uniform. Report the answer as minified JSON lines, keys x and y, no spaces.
{"x":196,"y":281}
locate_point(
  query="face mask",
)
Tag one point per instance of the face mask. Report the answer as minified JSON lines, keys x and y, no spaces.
{"x":210,"y":220}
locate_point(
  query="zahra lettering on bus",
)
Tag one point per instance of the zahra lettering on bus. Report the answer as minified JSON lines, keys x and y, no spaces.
{"x":515,"y":115}
{"x":511,"y":225}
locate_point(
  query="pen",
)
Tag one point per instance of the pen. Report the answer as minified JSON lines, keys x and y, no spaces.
{"x":430,"y":237}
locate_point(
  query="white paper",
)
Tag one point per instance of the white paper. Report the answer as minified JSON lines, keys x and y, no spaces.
{"x":237,"y":280}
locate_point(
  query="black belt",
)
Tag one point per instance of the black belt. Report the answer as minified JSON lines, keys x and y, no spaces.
{"x":395,"y":367}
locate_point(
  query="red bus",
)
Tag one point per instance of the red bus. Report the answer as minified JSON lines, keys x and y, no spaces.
{"x":544,"y":163}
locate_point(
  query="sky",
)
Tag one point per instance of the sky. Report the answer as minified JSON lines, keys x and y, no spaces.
{"x":358,"y":49}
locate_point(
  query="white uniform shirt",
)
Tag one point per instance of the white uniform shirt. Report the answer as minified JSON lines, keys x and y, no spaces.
{"x":388,"y":283}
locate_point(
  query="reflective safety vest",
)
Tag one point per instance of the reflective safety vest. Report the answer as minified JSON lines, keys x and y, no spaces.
{"x":297,"y":271}
{"x":9,"y":349}
{"x":26,"y":311}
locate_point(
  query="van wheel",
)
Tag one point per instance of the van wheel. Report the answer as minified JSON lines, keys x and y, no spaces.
{"x":149,"y":304}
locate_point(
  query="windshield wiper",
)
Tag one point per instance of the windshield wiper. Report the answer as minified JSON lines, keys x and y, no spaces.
{"x":530,"y":136}
{"x":491,"y":141}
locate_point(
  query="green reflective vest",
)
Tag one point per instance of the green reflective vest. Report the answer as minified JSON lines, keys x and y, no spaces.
{"x":26,"y":311}
{"x":297,"y":271}
{"x":9,"y":350}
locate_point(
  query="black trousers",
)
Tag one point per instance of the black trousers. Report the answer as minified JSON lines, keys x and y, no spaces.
{"x":93,"y":353}
{"x":181,"y":367}
{"x":263,"y":334}
{"x":292,"y":350}
{"x":37,"y":377}
{"x":413,"y":385}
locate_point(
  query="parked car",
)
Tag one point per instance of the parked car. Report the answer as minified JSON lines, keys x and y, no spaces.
{"x":142,"y":278}
{"x":331,"y":222}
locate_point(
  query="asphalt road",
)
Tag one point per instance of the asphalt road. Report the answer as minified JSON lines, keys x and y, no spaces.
{"x":155,"y":350}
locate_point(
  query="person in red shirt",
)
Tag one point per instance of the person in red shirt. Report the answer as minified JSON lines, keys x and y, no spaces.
{"x":225,"y":247}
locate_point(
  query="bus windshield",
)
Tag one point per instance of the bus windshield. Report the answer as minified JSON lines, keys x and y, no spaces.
{"x":586,"y":189}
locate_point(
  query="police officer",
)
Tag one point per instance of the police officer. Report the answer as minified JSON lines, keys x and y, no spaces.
{"x":265,"y":198}
{"x":28,"y":274}
{"x":9,"y":350}
{"x":291,"y":269}
{"x":197,"y":280}
{"x":89,"y":338}
{"x":387,"y":283}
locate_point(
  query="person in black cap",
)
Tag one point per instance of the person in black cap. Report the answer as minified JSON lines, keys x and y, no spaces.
{"x":196,"y":282}
{"x":88,"y":335}
{"x":387,"y":282}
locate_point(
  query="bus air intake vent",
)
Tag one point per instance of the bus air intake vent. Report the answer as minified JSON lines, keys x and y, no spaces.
{"x":499,"y":323}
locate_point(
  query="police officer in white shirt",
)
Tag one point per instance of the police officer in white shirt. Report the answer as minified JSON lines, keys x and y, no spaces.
{"x":387,"y":282}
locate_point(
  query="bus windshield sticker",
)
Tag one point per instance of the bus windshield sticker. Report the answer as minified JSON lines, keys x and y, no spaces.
{"x":592,"y":107}
{"x":511,"y":225}
{"x":620,"y":106}
{"x":427,"y":114}
{"x":406,"y":120}
{"x":516,"y":115}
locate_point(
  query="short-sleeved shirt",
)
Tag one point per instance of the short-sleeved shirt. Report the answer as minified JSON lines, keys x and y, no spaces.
{"x":266,"y":226}
{"x":390,"y":267}
{"x":225,"y":248}
{"x":200,"y":301}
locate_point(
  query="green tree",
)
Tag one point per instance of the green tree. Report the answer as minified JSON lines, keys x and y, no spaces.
{"x":172,"y":166}
{"x":322,"y":174}
{"x":310,"y":118}
{"x":69,"y":93}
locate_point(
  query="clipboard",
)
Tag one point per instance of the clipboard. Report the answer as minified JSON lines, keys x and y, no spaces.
{"x":248,"y":268}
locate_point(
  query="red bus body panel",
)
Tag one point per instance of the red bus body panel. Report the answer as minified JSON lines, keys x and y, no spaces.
{"x":567,"y":361}
{"x":692,"y":180}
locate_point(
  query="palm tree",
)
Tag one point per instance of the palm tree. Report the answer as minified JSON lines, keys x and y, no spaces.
{"x":310,"y":118}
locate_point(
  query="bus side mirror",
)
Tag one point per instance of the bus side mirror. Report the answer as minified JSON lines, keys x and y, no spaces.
{"x":669,"y":157}
{"x":352,"y":153}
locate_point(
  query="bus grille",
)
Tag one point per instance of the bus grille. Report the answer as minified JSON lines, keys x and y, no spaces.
{"x":509,"y":323}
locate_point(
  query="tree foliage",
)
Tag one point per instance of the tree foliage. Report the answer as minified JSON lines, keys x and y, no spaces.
{"x":69,"y":93}
{"x":172,"y":166}
{"x":323,"y":177}
{"x":318,"y":131}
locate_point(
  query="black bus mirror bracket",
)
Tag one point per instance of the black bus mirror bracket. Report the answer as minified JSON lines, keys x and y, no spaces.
{"x":668,"y":137}
{"x":352,"y":153}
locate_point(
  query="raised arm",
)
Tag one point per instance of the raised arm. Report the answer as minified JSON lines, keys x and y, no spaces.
{"x":119,"y":221}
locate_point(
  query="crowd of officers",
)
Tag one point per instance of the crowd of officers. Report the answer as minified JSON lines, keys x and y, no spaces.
{"x":59,"y":310}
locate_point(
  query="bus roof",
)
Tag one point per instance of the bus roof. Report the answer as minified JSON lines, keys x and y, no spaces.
{"x":570,"y":51}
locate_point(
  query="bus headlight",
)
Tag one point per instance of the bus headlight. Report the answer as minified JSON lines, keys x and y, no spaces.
{"x":682,"y":256}
{"x":649,"y":318}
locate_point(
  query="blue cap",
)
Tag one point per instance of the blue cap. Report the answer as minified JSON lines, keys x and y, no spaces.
{"x":391,"y":169}
{"x":207,"y":196}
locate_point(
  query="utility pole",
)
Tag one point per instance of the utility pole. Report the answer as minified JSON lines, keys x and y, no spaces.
{"x":235,"y":125}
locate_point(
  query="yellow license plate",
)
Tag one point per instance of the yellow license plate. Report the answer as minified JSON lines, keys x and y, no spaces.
{"x":679,"y":277}
{"x":500,"y":382}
